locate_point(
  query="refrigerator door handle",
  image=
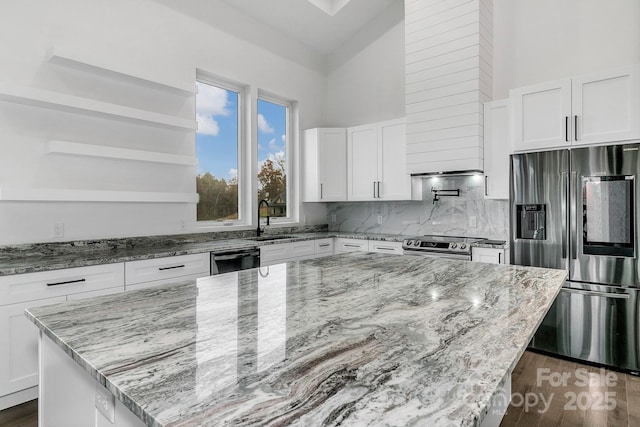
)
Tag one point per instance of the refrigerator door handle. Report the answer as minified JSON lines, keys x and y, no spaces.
{"x":574,"y":206}
{"x":565,"y":191}
{"x":596,"y":293}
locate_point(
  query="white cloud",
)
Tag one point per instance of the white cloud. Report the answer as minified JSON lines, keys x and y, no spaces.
{"x":212,"y":100}
{"x":207,"y":125}
{"x":272,"y":144}
{"x":284,"y":138}
{"x":263,"y":125}
{"x":233,"y":173}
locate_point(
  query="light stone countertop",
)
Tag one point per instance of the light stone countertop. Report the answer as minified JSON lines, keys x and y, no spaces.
{"x":352,"y":339}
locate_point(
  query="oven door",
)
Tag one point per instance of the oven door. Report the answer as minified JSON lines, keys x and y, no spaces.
{"x":446,"y":255}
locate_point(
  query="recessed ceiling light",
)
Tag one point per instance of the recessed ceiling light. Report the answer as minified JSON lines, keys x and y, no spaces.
{"x":330,"y":7}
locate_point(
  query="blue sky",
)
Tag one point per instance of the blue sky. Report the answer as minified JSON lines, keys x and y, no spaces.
{"x":216,"y":139}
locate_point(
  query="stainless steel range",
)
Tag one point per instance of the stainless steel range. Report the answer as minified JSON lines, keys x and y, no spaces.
{"x":452,"y":247}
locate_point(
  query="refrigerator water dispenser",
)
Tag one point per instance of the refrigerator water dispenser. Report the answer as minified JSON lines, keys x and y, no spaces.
{"x":532,"y":221}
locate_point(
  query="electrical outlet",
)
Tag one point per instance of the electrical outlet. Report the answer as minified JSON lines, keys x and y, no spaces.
{"x":379,"y":219}
{"x":57,"y":230}
{"x":473,"y":221}
{"x":183,"y":225}
{"x":333,"y":218}
{"x":105,"y":403}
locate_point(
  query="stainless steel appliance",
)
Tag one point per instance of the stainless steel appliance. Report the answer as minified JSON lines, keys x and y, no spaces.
{"x":242,"y":259}
{"x":452,"y":247}
{"x":576,"y":210}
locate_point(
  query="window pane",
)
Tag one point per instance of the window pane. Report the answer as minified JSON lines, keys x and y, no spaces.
{"x":217,"y":152}
{"x":272,"y":157}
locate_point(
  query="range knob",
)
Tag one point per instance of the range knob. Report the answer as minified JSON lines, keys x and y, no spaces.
{"x":463,"y":245}
{"x":454,"y":245}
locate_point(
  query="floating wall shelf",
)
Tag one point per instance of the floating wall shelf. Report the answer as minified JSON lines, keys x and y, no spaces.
{"x":78,"y":149}
{"x":69,"y":103}
{"x":59,"y":57}
{"x":55,"y":195}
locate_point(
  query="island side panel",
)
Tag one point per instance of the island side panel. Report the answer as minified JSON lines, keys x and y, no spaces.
{"x":68,"y":394}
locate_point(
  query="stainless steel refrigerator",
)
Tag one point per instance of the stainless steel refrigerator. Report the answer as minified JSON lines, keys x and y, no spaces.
{"x":576,"y":210}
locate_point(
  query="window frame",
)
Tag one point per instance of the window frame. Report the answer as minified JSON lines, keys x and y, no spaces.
{"x":291,"y":165}
{"x":241,"y":90}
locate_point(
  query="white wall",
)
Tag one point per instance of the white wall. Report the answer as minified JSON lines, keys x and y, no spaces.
{"x":541,"y":40}
{"x":365,"y":77}
{"x":136,"y":36}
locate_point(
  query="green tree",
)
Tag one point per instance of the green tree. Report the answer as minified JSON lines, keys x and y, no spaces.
{"x":272,"y":186}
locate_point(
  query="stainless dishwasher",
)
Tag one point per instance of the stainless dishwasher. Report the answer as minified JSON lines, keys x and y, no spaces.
{"x":234,"y":260}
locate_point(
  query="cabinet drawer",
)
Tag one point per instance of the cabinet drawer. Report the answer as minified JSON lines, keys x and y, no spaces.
{"x":385,"y":247}
{"x":351,"y":245}
{"x":149,"y":270}
{"x":192,"y":278}
{"x":47,"y":284}
{"x":286,"y":251}
{"x":324,"y":247}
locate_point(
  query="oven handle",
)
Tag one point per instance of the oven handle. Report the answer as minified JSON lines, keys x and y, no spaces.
{"x":462,"y":257}
{"x":596,"y":293}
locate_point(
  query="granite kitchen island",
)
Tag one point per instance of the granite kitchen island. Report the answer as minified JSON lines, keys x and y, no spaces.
{"x":350,"y":339}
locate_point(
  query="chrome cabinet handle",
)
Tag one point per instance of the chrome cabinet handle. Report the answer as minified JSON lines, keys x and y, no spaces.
{"x":385,"y":249}
{"x":68,"y":282}
{"x":347,"y":245}
{"x":324,"y":245}
{"x":171,"y":268}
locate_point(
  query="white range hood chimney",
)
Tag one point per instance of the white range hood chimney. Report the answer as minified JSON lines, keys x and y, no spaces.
{"x":449,"y":67}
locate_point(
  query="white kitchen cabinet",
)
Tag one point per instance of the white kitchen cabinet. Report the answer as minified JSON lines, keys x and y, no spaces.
{"x":158,"y":271}
{"x":588,"y":109}
{"x":541,"y":115}
{"x":489,"y":255}
{"x":324,"y":247}
{"x":344,"y":245}
{"x":497,"y":148}
{"x":386,"y":247}
{"x":295,"y":251}
{"x":19,"y":337}
{"x":606,"y":106}
{"x":377,"y":162}
{"x":324,"y":165}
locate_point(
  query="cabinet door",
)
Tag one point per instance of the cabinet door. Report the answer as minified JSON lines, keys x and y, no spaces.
{"x":323,"y":247}
{"x":606,"y":106}
{"x":496,"y":149}
{"x":488,"y":255}
{"x":332,"y":164}
{"x":283,"y":252}
{"x":394,"y":181}
{"x":19,"y":346}
{"x":362,"y":142}
{"x":541,"y":115}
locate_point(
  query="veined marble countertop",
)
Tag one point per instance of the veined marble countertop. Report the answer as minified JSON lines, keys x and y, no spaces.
{"x":352,"y":339}
{"x":31,"y":258}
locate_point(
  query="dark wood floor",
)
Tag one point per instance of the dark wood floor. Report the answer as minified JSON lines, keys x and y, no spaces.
{"x":573,"y":404}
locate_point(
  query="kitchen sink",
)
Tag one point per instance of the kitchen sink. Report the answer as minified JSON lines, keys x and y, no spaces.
{"x":268,"y":238}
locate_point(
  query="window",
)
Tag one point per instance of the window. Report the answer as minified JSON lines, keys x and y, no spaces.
{"x":217,"y":149}
{"x":273,"y":164}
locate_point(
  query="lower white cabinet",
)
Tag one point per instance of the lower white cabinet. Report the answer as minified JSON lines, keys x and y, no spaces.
{"x":344,"y":244}
{"x":19,"y":337}
{"x":294,"y":251}
{"x":386,"y":247}
{"x":159,"y":271}
{"x":489,"y":255}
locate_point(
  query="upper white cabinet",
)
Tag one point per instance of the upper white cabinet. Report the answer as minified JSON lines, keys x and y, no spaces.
{"x":606,"y":106}
{"x":377,"y":163}
{"x":324,"y":163}
{"x":497,"y":148}
{"x":588,"y":109}
{"x":541,"y":115}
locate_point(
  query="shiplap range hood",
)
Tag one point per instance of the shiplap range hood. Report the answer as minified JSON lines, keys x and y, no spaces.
{"x":448,"y":51}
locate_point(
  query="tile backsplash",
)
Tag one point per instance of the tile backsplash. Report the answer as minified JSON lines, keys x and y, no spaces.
{"x":450,"y":215}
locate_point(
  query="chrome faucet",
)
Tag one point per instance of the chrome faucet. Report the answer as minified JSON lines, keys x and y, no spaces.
{"x":259,"y":230}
